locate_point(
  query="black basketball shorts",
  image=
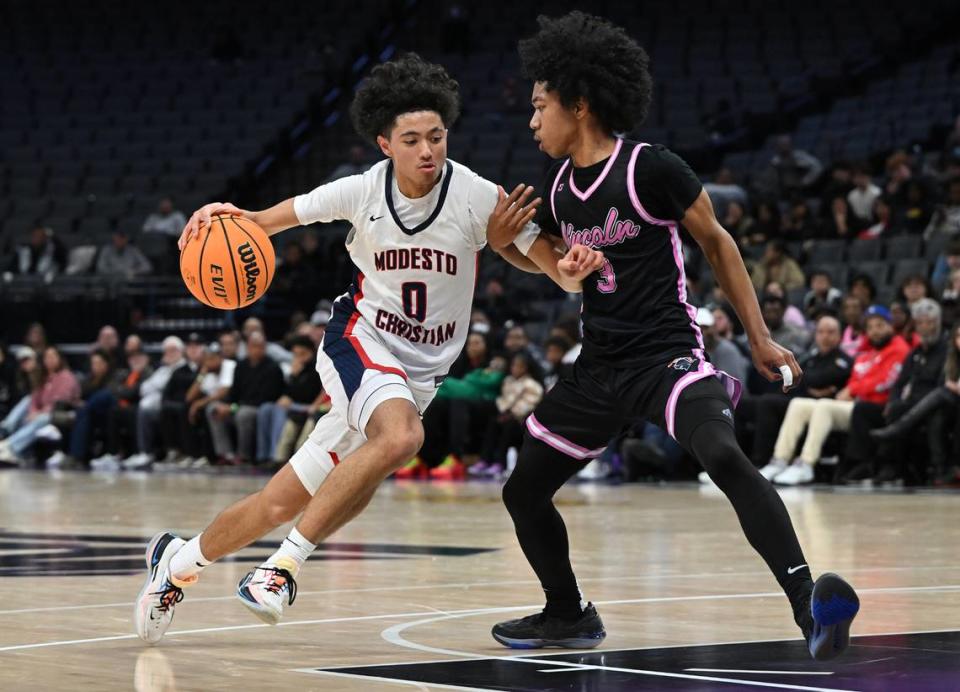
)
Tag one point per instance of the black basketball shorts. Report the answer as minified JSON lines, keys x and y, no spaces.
{"x":581,"y":414}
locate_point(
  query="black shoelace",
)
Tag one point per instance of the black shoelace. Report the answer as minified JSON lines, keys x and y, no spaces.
{"x":169,"y":597}
{"x":279,"y":579}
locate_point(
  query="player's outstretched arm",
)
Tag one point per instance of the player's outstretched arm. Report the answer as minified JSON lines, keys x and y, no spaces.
{"x":567,"y":268}
{"x":277,"y":218}
{"x":724,"y":256}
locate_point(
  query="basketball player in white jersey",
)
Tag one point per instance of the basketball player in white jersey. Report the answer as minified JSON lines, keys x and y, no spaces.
{"x":419,"y":221}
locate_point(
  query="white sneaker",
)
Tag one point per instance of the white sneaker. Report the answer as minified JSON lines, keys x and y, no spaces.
{"x":200,"y":463}
{"x":6,"y":453}
{"x":107,"y":462}
{"x":264,"y":590}
{"x":704,"y":478}
{"x":773,"y":469}
{"x":153,"y":611}
{"x":798,"y":473}
{"x":137,"y":461}
{"x":56,"y":460}
{"x":593,"y":471}
{"x":49,"y":432}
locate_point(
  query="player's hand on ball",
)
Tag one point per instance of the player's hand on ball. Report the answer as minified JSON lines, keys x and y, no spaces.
{"x":580,"y":262}
{"x":769,"y":357}
{"x":201,"y":219}
{"x":511,"y":214}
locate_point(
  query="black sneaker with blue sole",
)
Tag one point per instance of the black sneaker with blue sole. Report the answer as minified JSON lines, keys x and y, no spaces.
{"x":542,"y":630}
{"x":833,"y":605}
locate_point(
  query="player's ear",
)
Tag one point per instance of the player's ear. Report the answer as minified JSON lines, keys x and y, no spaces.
{"x":384,"y":145}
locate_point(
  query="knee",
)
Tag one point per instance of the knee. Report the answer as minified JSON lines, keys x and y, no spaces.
{"x":400,"y":442}
{"x":718,"y":452}
{"x":515,"y":497}
{"x":276,"y":512}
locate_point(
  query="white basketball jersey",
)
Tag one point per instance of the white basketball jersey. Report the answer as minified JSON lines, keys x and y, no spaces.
{"x":415,"y":259}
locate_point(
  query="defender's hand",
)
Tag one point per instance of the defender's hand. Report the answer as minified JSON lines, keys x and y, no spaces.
{"x":580,"y":262}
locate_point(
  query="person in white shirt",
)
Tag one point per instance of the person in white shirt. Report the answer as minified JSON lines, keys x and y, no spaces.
{"x":165,"y":219}
{"x":419,"y":220}
{"x":863,"y":196}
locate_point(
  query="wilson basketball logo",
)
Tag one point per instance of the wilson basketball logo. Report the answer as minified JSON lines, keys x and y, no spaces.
{"x":228,"y":266}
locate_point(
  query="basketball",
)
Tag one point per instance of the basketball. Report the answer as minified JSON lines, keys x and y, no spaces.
{"x":229,"y":265}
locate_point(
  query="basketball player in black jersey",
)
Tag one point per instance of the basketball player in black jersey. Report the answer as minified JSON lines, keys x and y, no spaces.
{"x":643,"y":355}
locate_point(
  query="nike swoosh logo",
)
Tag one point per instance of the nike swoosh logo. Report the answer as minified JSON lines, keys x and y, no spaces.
{"x":375,"y":218}
{"x":198,"y":564}
{"x":791,"y":570}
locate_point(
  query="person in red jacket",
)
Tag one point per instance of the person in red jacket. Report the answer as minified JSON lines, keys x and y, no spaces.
{"x":874,"y":372}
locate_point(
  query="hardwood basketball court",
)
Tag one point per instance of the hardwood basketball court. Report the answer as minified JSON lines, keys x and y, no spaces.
{"x":405,"y":596}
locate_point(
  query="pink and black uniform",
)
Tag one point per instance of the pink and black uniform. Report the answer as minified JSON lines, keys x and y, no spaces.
{"x":642,"y":348}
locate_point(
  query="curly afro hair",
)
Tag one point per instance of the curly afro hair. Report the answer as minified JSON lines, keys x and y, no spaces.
{"x":580,"y":56}
{"x":404,"y":85}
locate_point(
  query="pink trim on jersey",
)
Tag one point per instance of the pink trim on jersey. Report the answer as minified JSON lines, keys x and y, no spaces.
{"x":704,"y":370}
{"x":561,"y":444}
{"x":596,"y":183}
{"x":674,"y":242}
{"x":553,"y":190}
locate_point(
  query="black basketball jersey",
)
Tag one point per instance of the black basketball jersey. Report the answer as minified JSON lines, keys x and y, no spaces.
{"x":635,"y":309}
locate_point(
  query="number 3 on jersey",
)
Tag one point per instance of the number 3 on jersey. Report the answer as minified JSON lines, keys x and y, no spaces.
{"x":607,"y":283}
{"x":414,"y":295}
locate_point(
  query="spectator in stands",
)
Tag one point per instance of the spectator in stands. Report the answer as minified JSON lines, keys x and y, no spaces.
{"x":883,"y":213}
{"x":230,"y":344}
{"x":946,"y":216}
{"x":874,"y":372}
{"x":121,"y":420}
{"x":799,"y":224}
{"x":826,"y":369}
{"x":36,"y":337}
{"x":301,"y":399}
{"x":519,"y":395}
{"x":947,"y":263}
{"x":568,"y":328}
{"x":903,"y":323}
{"x":108,"y":341}
{"x":839,"y":221}
{"x":862,"y":286}
{"x":8,"y":381}
{"x":296,"y":281}
{"x":767,"y":226}
{"x":121,"y":259}
{"x":511,"y":101}
{"x":132,"y":344}
{"x":793,"y":315}
{"x":176,"y":431}
{"x":275,"y":351}
{"x":258,"y":379}
{"x":151,"y":404}
{"x":55,"y":384}
{"x":554,"y":349}
{"x":165,"y":219}
{"x":738,"y":223}
{"x":312,"y":249}
{"x":950,"y":300}
{"x":821,"y":297}
{"x":899,"y":174}
{"x":725,"y":191}
{"x":839,"y":185}
{"x":97,"y":398}
{"x":42,"y":255}
{"x":517,"y":341}
{"x":25,"y":381}
{"x":777,"y":265}
{"x":913,"y":288}
{"x":795,"y":169}
{"x":787,"y":335}
{"x":211,"y":385}
{"x":355,"y":164}
{"x":854,"y":338}
{"x":921,"y":373}
{"x":862,"y":197}
{"x":939,"y":410}
{"x":723,"y":354}
{"x":316,"y":328}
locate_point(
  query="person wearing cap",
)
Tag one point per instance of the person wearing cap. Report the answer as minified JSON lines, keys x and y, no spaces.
{"x":921,"y":374}
{"x":871,"y":379}
{"x":174,"y":406}
{"x":151,"y":402}
{"x":211,"y":384}
{"x":119,"y":258}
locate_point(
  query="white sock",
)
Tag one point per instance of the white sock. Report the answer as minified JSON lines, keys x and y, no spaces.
{"x":294,"y":547}
{"x":188,"y":561}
